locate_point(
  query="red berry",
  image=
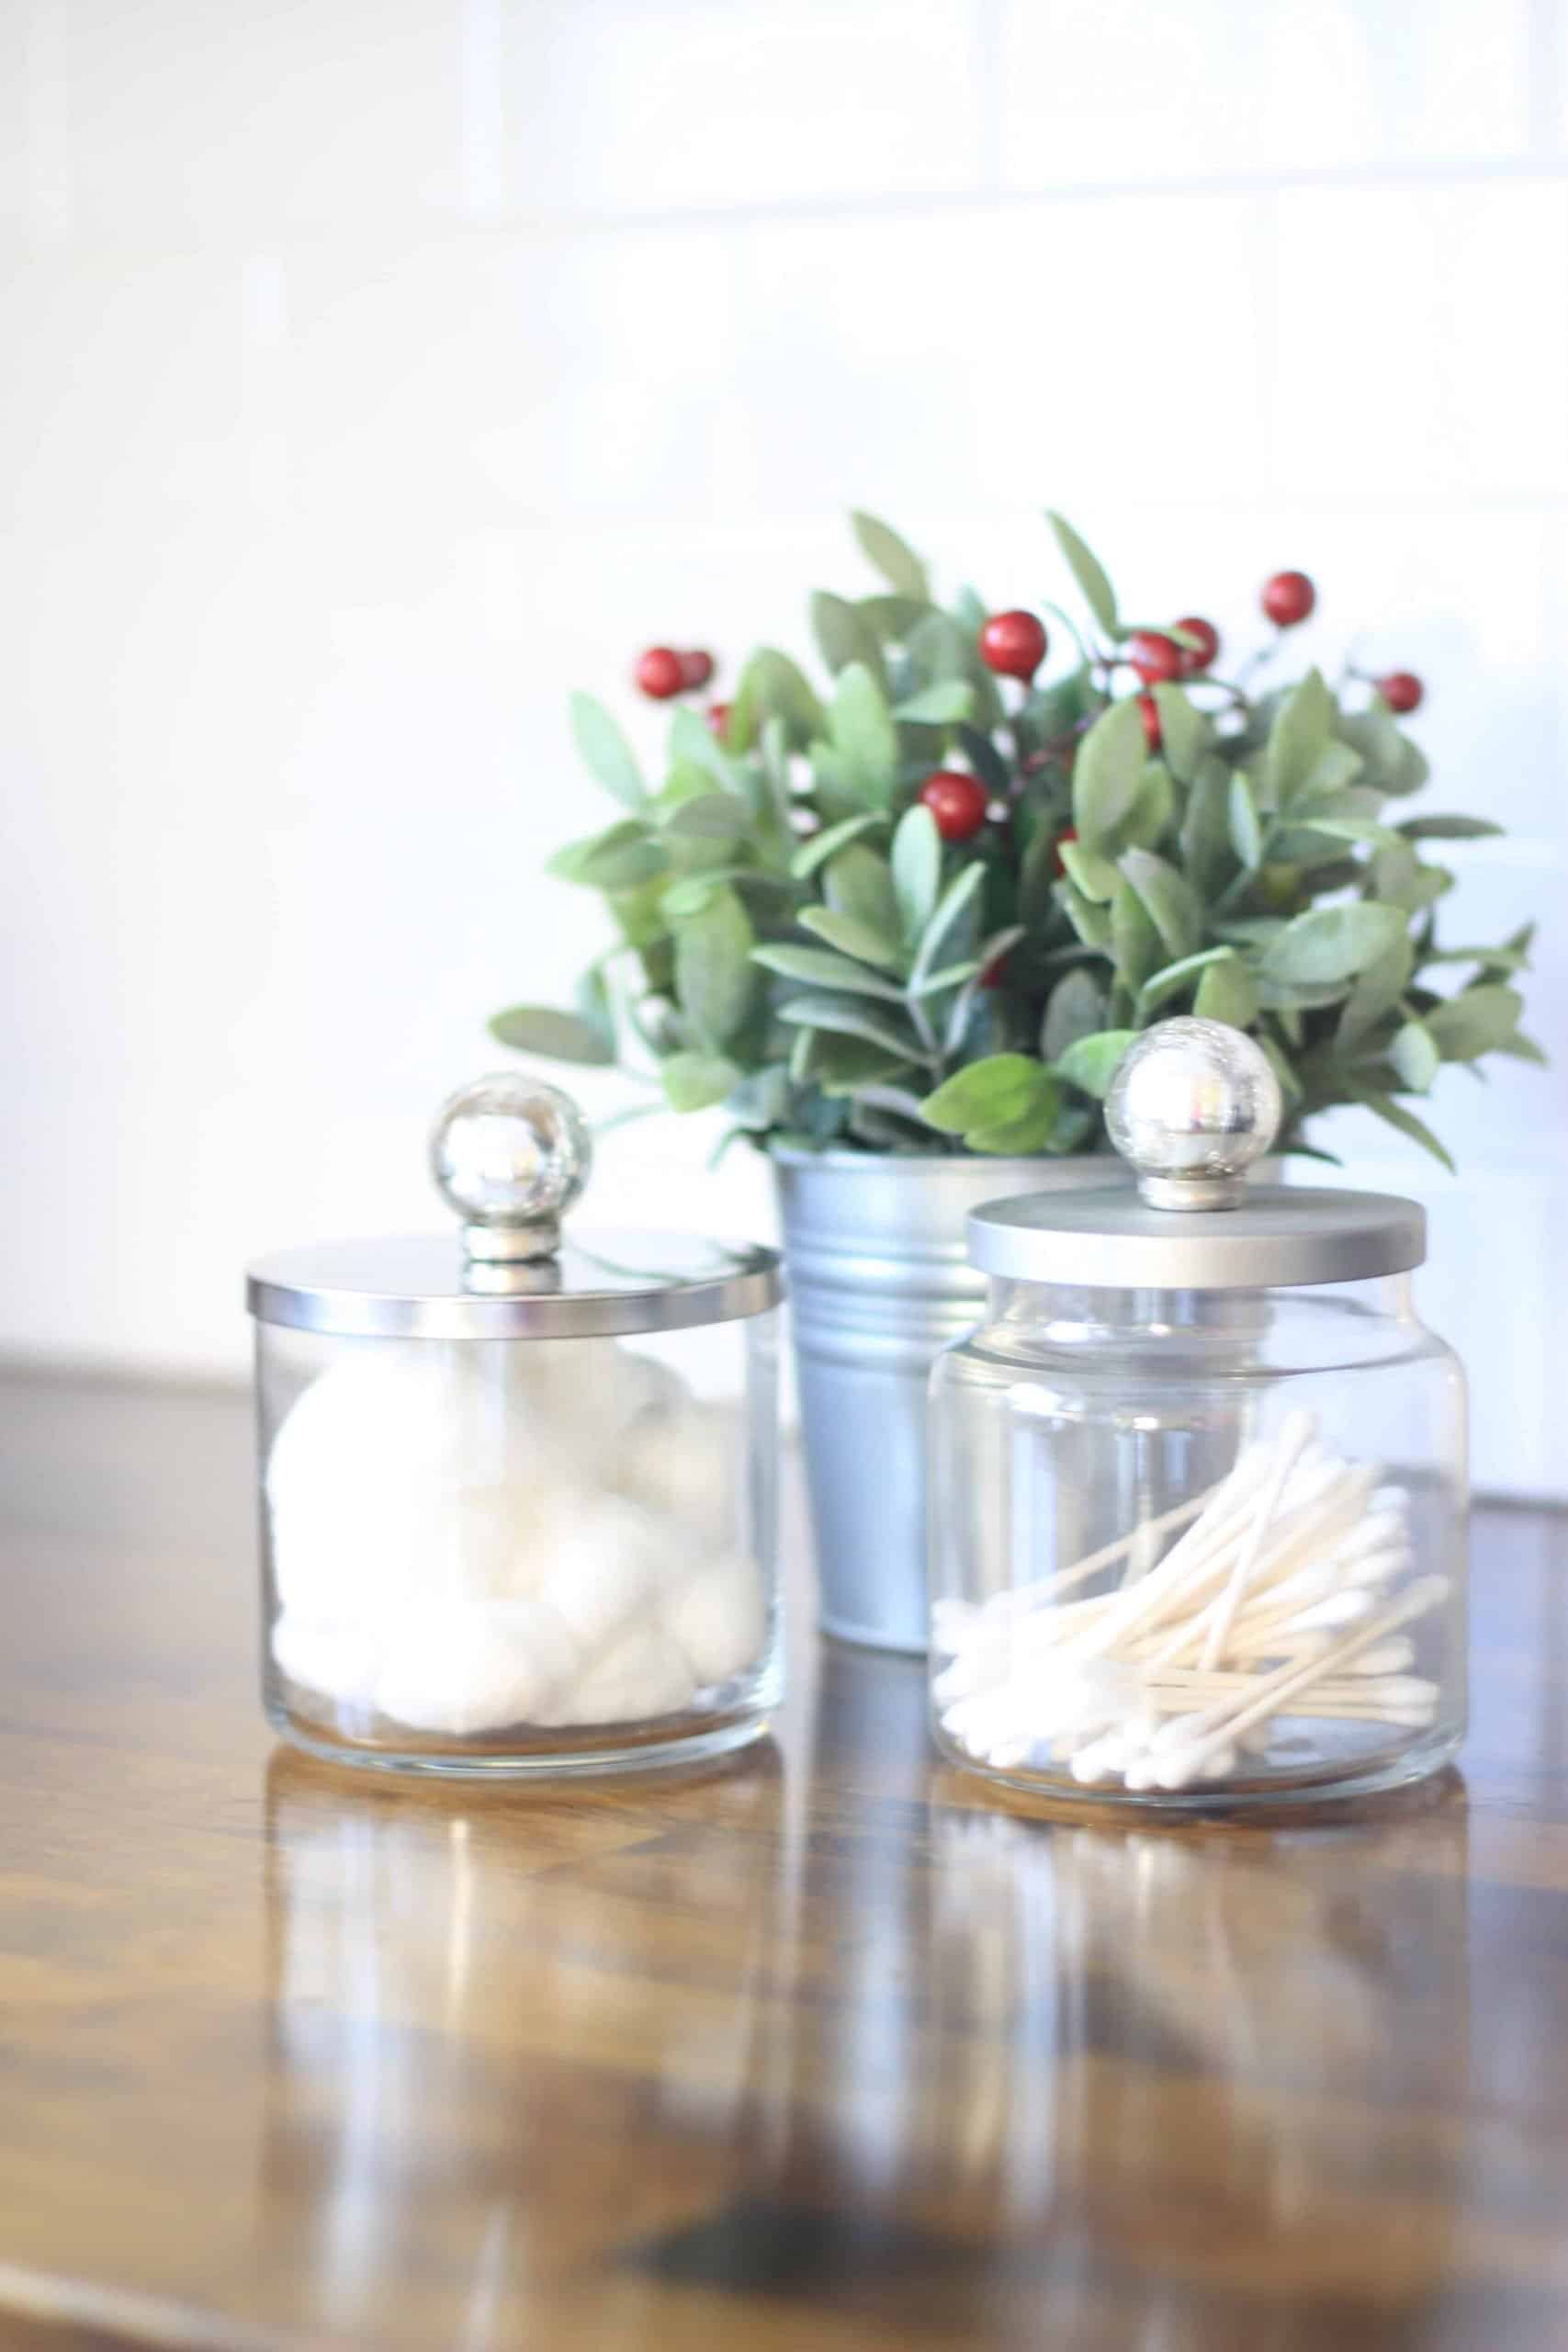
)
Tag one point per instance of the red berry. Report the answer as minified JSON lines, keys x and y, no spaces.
{"x":1153,"y":656}
{"x":1288,"y":598}
{"x":1014,"y":645}
{"x":696,"y":668}
{"x":1068,"y":834}
{"x":957,"y":801}
{"x":660,"y":673}
{"x":1150,"y":710}
{"x":1205,"y":651}
{"x":719,"y":718}
{"x":991,"y":974}
{"x":1401,"y":690}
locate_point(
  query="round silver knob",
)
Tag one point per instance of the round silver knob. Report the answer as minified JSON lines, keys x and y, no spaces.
{"x":510,"y":1154}
{"x":1192,"y":1105}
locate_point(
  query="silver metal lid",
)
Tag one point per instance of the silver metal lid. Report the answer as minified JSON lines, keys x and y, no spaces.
{"x":510,"y":1154}
{"x":1193,"y":1105}
{"x":1282,"y":1236}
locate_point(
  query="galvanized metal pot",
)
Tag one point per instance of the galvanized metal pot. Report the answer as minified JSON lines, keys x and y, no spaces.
{"x":879,"y":1282}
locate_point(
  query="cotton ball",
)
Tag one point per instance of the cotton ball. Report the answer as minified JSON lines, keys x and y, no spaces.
{"x":476,"y":1666}
{"x":608,"y":1561}
{"x":680,"y":1464}
{"x":718,"y":1617}
{"x":341,"y":1659}
{"x":391,"y":1458}
{"x":639,"y":1675}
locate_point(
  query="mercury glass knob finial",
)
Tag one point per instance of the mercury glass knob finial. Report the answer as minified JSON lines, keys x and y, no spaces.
{"x":1192,"y":1105}
{"x":510,"y":1154}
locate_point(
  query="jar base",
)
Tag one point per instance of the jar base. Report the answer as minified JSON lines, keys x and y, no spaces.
{"x":545,"y":1764}
{"x":1327,"y":1786}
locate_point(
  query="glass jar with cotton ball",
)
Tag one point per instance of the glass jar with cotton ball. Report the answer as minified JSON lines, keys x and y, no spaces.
{"x":518,"y":1493}
{"x":1199,"y":1486}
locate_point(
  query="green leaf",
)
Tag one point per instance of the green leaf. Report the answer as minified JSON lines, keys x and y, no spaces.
{"x":692,"y":743}
{"x":860,"y":728}
{"x":1030,"y":1132}
{"x":1093,"y":586}
{"x":1227,"y":992}
{"x":1396,"y":1115}
{"x":1303,"y":729}
{"x":1378,"y":987}
{"x":1169,"y":899}
{"x":716,"y":980}
{"x":1475,"y":1022}
{"x":860,"y":883}
{"x":853,"y":1017}
{"x":626,"y":855}
{"x":1161,"y":986}
{"x":847,"y":1066}
{"x":844,"y":634}
{"x":820,"y":969}
{"x":941,"y":705}
{"x":851,"y":936}
{"x":988,"y":1094}
{"x":1525,"y":1049}
{"x":1135,"y":943}
{"x":1184,"y":730}
{"x":1246,"y":825}
{"x":893,"y":618}
{"x":697,"y":1082}
{"x":1448,"y":828}
{"x":606,"y":750}
{"x":761,"y":1100}
{"x":1090,"y":921}
{"x":1153,"y":810}
{"x":1205,"y":830}
{"x":1281,"y":1064}
{"x":772,"y":685}
{"x":1074,"y":1009}
{"x":898,"y":564}
{"x":1414,"y":1055}
{"x":1091,"y":1063}
{"x":560,"y":1037}
{"x":1402,"y":880}
{"x":950,"y":907}
{"x":1107,"y":775}
{"x":917,"y":870}
{"x":713,"y":816}
{"x":830,"y":840}
{"x":1332,"y":943}
{"x":939,"y":650}
{"x":1095,"y":876}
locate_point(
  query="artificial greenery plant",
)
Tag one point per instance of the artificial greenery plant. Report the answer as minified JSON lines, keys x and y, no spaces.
{"x":925,"y":908}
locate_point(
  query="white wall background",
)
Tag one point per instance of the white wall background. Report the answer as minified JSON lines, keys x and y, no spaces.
{"x":376,"y":371}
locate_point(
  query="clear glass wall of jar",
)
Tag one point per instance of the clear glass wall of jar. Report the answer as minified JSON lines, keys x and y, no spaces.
{"x":502,"y":1554}
{"x":1199,"y":1545}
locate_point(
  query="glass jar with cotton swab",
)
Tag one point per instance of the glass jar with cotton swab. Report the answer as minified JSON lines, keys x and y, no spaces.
{"x":1199,"y":1486}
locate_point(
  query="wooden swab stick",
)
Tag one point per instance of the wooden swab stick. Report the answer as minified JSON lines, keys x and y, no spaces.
{"x":1296,"y":1433}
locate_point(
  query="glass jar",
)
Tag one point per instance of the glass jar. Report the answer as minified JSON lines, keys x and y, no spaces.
{"x":518,"y":1497}
{"x":1199,"y":1479}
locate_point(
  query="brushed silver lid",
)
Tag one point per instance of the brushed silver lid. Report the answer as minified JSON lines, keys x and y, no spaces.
{"x":1281,"y":1238}
{"x":600,"y":1286}
{"x":510,"y":1154}
{"x":1193,"y":1105}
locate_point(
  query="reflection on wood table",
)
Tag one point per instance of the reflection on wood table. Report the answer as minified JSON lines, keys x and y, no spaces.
{"x":830,"y":2049}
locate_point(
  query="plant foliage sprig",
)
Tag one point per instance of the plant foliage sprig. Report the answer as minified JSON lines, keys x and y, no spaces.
{"x":797,"y":942}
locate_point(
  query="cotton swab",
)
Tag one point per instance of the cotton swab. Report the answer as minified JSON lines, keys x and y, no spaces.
{"x":1283,"y":1593}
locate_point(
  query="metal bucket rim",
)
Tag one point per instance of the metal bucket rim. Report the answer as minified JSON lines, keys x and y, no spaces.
{"x":792,"y":1155}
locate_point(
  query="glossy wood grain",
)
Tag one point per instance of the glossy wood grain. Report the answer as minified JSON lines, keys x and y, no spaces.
{"x":830,"y":2049}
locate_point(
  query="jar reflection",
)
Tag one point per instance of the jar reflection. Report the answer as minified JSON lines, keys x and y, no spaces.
{"x":504,"y":2038}
{"x":1182,"y":2073}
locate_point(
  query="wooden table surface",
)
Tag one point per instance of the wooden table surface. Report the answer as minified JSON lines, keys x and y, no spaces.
{"x":831,"y":2048}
